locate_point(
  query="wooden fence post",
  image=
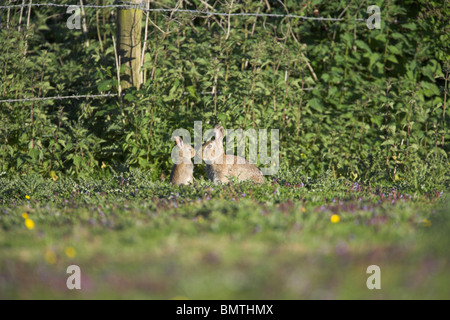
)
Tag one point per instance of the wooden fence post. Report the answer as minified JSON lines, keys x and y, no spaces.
{"x":129,"y":29}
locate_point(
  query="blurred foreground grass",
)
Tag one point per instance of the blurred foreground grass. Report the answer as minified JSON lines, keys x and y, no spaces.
{"x":135,"y":239}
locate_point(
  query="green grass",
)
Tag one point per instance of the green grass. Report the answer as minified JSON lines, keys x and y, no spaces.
{"x":134,"y":238}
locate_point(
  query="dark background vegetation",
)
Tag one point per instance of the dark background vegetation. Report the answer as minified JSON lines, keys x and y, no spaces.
{"x":376,"y":111}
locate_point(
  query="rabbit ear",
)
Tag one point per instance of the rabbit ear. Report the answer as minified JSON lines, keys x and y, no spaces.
{"x":179,"y":141}
{"x":219,"y":131}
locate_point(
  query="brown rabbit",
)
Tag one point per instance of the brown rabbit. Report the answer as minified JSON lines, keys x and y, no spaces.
{"x":183,"y":172}
{"x":220,"y":166}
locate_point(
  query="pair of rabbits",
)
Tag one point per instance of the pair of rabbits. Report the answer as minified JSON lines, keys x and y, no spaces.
{"x":219,"y":166}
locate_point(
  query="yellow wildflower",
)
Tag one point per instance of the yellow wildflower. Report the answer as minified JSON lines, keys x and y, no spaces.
{"x":25,"y":215}
{"x":27,"y":197}
{"x":29,"y":224}
{"x":70,"y":252}
{"x":426,"y":222}
{"x":335,"y":218}
{"x":303,"y":209}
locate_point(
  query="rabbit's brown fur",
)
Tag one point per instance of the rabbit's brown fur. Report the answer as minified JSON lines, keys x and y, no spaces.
{"x":219,"y":166}
{"x":183,"y":172}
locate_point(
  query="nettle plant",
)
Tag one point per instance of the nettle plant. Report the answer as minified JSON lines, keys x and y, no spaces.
{"x":365,"y":104}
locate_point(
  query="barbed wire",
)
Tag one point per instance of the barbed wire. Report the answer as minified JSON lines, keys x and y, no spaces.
{"x":108,"y":95}
{"x":244,"y":14}
{"x":142,"y":6}
{"x":60,"y":98}
{"x":173,"y":10}
{"x":62,"y":5}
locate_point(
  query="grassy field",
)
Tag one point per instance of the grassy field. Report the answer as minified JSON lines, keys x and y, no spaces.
{"x":354,"y":96}
{"x":303,"y":239}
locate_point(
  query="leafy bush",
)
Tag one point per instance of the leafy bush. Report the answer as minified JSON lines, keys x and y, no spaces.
{"x":376,"y":111}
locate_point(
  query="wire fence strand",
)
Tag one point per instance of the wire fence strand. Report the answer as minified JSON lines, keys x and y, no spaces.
{"x":108,"y":95}
{"x":65,"y":5}
{"x":202,"y":12}
{"x":128,"y":5}
{"x":244,"y":14}
{"x":60,"y":98}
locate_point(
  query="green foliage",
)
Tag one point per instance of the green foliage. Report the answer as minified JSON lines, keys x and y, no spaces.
{"x":376,"y":113}
{"x":134,"y":238}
